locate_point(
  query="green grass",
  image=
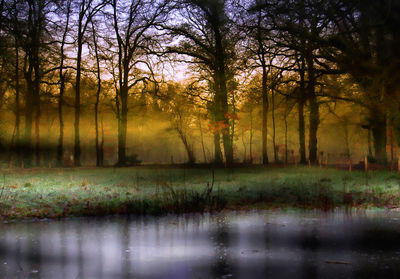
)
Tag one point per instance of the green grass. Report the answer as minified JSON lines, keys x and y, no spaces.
{"x":52,"y":193}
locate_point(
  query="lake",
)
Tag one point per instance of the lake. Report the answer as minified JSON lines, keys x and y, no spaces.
{"x":256,"y":244}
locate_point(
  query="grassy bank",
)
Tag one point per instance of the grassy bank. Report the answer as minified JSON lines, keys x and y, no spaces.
{"x":52,"y":193}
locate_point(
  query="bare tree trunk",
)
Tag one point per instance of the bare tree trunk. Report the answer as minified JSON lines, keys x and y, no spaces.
{"x":251,"y":136}
{"x":37,"y":128}
{"x":286,"y":137}
{"x":31,"y":98}
{"x":369,"y":142}
{"x":302,"y":137}
{"x":217,"y":149}
{"x":314,"y":111}
{"x":122,"y":126}
{"x":276,"y":159}
{"x":228,"y":148}
{"x":77,"y":144}
{"x":37,"y":100}
{"x":188,"y":147}
{"x":222,"y":93}
{"x":244,"y":148}
{"x":265,"y":105}
{"x":301,"y":103}
{"x":17,"y":103}
{"x":232,"y":125}
{"x":60,"y":146}
{"x":27,"y":143}
{"x":202,"y":139}
{"x":96,"y":105}
{"x":101,"y":147}
{"x":314,"y":123}
{"x":391,"y":145}
{"x":264,"y":89}
{"x":96,"y":120}
{"x":86,"y":12}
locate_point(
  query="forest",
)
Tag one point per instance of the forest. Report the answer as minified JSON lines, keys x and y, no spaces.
{"x":199,"y":138}
{"x":124,"y":82}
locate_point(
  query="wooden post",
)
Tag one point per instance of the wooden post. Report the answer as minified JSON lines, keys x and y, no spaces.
{"x":350,"y":166}
{"x":309,"y":163}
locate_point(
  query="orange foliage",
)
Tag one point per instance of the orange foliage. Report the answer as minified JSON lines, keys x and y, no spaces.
{"x":217,"y":126}
{"x":222,"y":126}
{"x":232,"y":116}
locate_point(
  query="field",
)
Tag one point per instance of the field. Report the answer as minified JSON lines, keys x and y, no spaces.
{"x":54,"y":193}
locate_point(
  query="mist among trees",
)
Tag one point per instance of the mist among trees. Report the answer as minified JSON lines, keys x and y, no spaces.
{"x":119,"y":82}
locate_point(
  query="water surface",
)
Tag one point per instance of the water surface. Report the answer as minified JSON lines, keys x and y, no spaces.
{"x":262,"y":244}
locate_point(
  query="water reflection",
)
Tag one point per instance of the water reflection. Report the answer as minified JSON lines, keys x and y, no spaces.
{"x":234,"y":245}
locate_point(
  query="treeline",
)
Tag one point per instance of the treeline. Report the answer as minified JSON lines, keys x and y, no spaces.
{"x":306,"y":55}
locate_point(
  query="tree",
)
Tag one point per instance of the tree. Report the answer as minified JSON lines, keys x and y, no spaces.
{"x":260,"y":47}
{"x":4,"y":71}
{"x":33,"y":46}
{"x":181,"y":111}
{"x":133,"y":24}
{"x":11,"y":34}
{"x":87,"y":10}
{"x":206,"y":35}
{"x":62,"y":79}
{"x":99,"y":145}
{"x":300,"y":27}
{"x":247,"y":119}
{"x":364,"y":42}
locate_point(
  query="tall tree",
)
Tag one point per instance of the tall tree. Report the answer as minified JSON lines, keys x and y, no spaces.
{"x":208,"y":37}
{"x":133,"y":24}
{"x":35,"y":24}
{"x":87,"y":10}
{"x":301,"y":26}
{"x":99,"y":149}
{"x":4,"y":53}
{"x":259,"y":48}
{"x":16,"y":32}
{"x":62,"y":79}
{"x":364,"y":42}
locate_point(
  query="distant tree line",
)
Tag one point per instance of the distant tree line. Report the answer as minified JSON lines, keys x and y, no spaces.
{"x":302,"y":53}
